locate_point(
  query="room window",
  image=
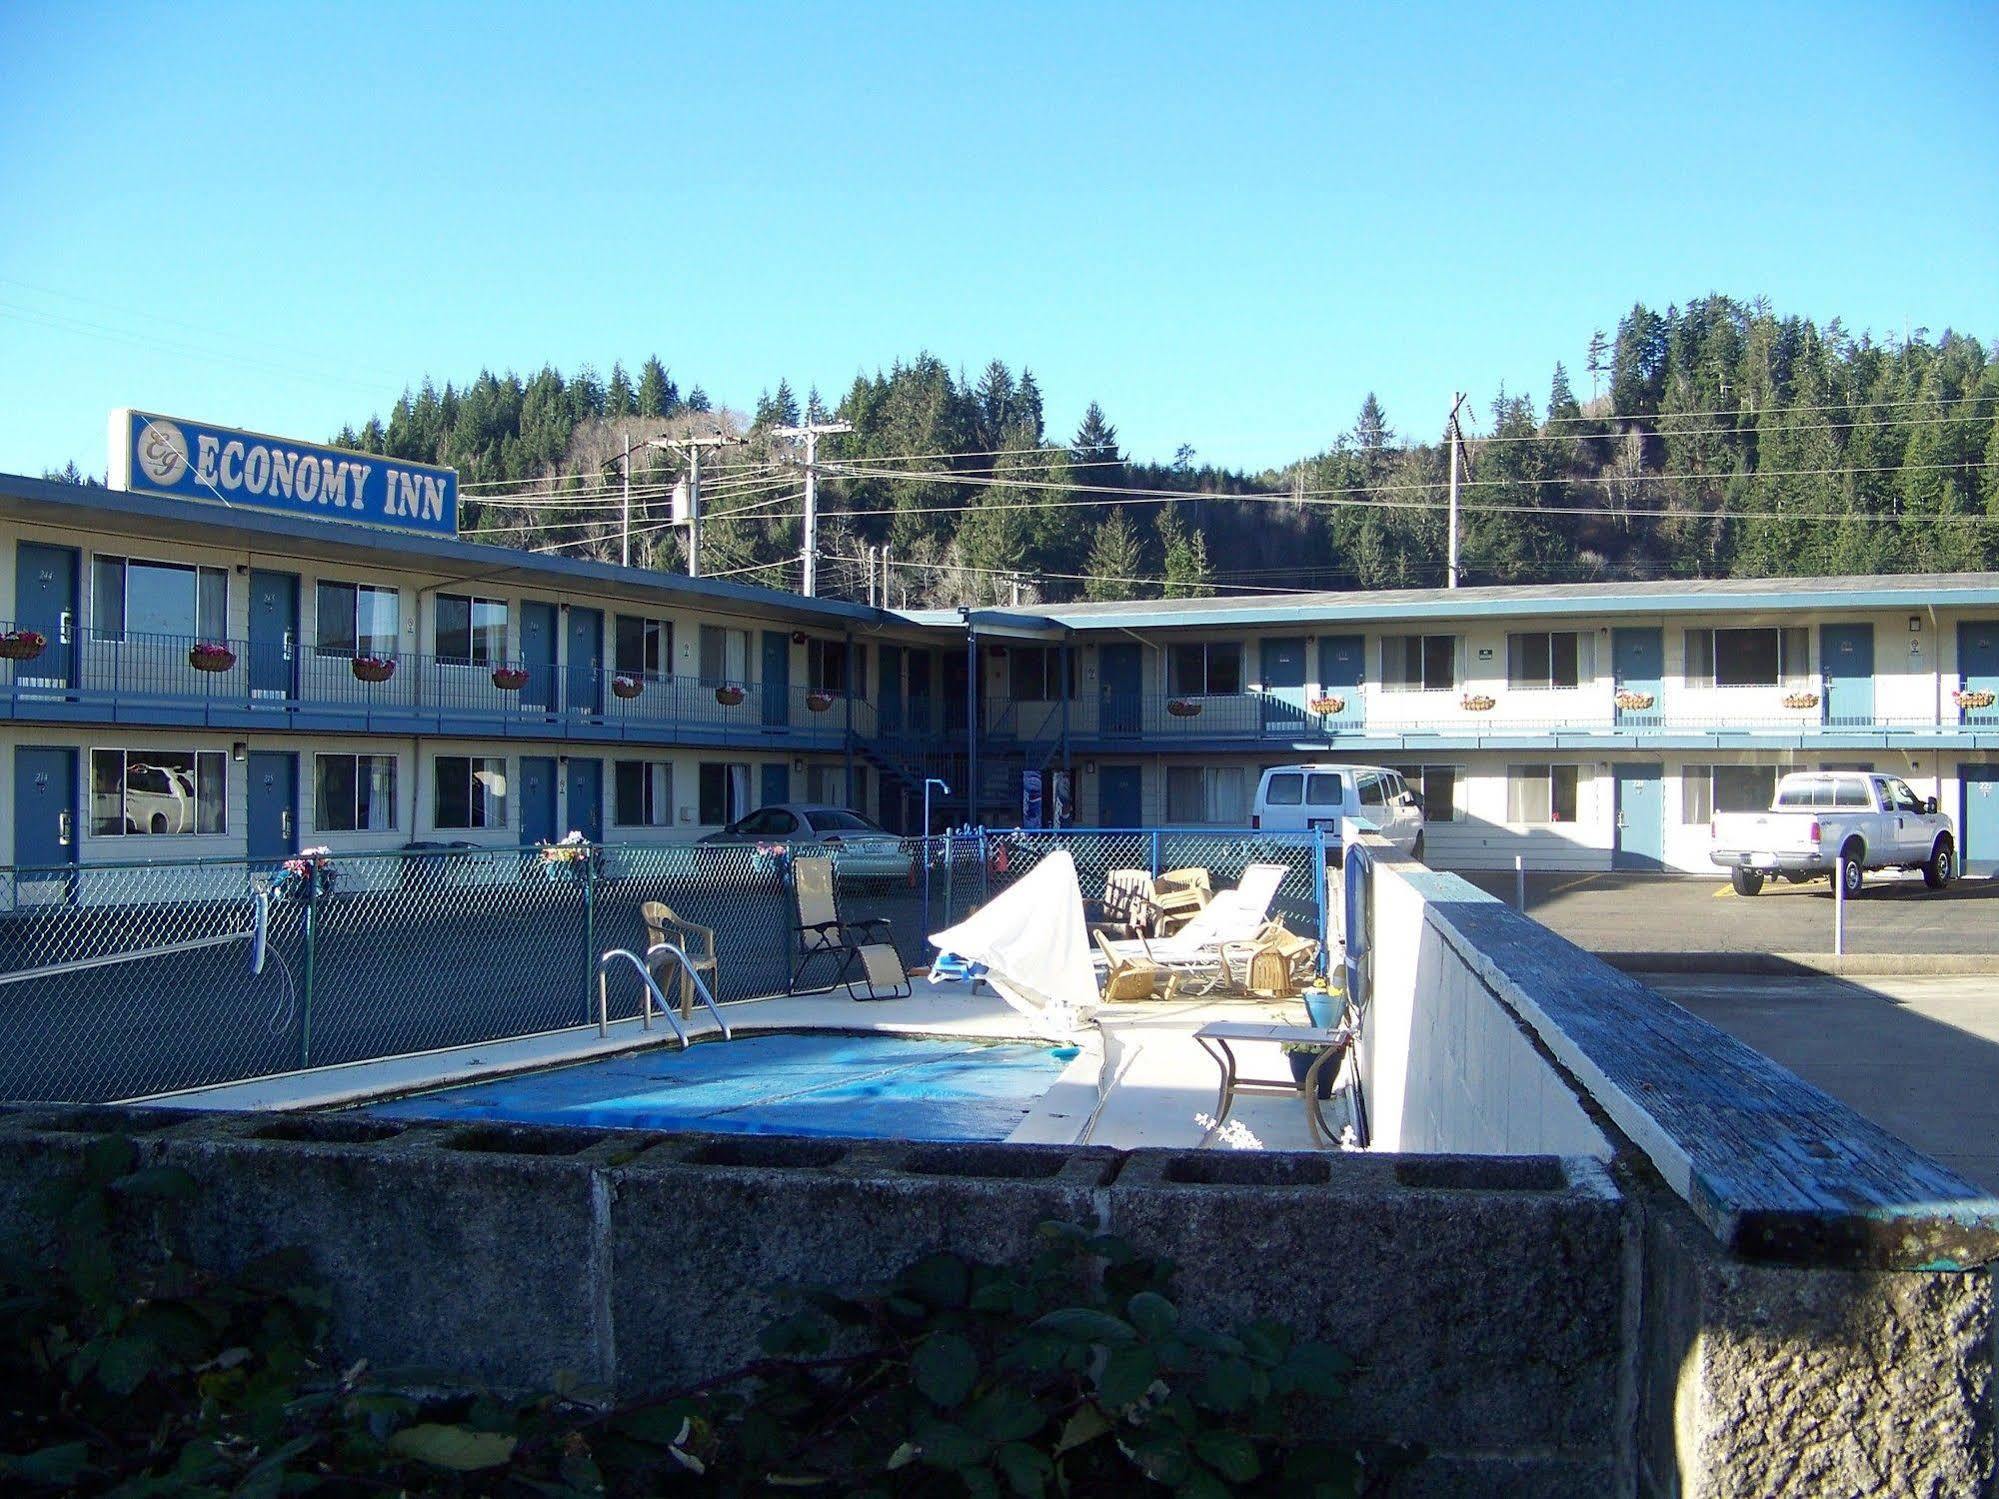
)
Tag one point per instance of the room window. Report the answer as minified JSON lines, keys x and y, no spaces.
{"x":471,"y":792}
{"x":1544,"y":658}
{"x":158,"y":598}
{"x":1748,"y":658}
{"x":837,"y":666}
{"x":1214,"y":794}
{"x":826,"y":784}
{"x":1034,"y":674}
{"x":1420,"y":662}
{"x":725,"y":792}
{"x":354,"y":793}
{"x":725,"y":656}
{"x":1437,"y":785}
{"x":643,"y":795}
{"x":1708,"y":789}
{"x":155,"y":791}
{"x":644,"y":647}
{"x":1204,"y":670}
{"x":471,"y":631}
{"x":357,"y":619}
{"x":1537,"y":794}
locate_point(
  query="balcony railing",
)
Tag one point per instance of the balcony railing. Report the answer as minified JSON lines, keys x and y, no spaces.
{"x":176,"y":679}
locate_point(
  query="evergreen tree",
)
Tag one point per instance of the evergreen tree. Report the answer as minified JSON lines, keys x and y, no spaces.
{"x":995,"y":397}
{"x":656,"y":395}
{"x":784,"y":405}
{"x":1598,"y":364}
{"x":1095,"y":451}
{"x":1638,"y":363}
{"x":618,"y":398}
{"x":1028,"y":414}
{"x":1563,"y":407}
{"x":1115,"y":559}
{"x":697,"y":400}
{"x":1371,"y":431}
{"x":1184,"y":553}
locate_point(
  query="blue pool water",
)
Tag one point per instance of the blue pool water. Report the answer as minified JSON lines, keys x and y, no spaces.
{"x":775,"y":1083}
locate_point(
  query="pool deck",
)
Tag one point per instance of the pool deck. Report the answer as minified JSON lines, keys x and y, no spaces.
{"x":1160,"y":1077}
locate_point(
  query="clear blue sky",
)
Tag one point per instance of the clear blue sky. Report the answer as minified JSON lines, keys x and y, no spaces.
{"x":1224,"y":223}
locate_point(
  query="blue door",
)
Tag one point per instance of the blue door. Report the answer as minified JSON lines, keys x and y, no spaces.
{"x":45,"y":821}
{"x":1978,"y":666}
{"x":538,"y":656}
{"x":1342,"y":670}
{"x":1641,"y":821}
{"x":45,"y":601}
{"x":1848,"y":654}
{"x":585,"y":642}
{"x":777,"y":680}
{"x":537,"y":798}
{"x":1637,"y":664}
{"x":1283,"y":676}
{"x":1121,"y":795}
{"x":776,"y":783}
{"x":273,"y":635}
{"x":585,"y":789}
{"x":1978,"y":819}
{"x":272,"y":805}
{"x":888,"y":690}
{"x":1121,"y":694}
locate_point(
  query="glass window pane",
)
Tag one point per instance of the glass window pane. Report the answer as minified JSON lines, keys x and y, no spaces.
{"x":454,"y":630}
{"x":1563,"y":783}
{"x":1225,"y":668}
{"x":1323,"y":790}
{"x":333,"y":796}
{"x":1745,"y":658}
{"x":333,"y":620}
{"x":489,"y":632}
{"x":1287,"y":790}
{"x":1184,"y":798}
{"x":107,"y":598}
{"x":1796,"y":651}
{"x":1527,"y":798}
{"x":378,"y":621}
{"x":1230,"y":806}
{"x":1563,"y":660}
{"x":1371,"y":792}
{"x":375,"y":789}
{"x":1744,"y":788}
{"x":1696,"y":794}
{"x":107,"y":792}
{"x":489,"y":793}
{"x":1440,"y":793}
{"x":159,"y":600}
{"x":1700,"y":658}
{"x":1440,"y":654}
{"x":212,"y":604}
{"x":1186,"y":670}
{"x":454,"y":792}
{"x":1850,"y":793}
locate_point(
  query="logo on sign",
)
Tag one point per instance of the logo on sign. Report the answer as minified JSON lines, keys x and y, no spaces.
{"x":162,"y":452}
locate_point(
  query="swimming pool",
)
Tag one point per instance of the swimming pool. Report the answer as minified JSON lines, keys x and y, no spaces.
{"x":773,"y":1083}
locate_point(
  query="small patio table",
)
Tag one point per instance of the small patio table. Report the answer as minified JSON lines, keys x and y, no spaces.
{"x":1215,"y":1039}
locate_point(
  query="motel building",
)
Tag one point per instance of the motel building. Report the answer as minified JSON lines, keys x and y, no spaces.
{"x":381,"y":683}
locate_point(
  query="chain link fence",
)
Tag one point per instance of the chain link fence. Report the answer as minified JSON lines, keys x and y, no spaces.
{"x":124,"y":980}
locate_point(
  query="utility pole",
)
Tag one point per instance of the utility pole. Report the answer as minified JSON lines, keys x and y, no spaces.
{"x":887,"y":601}
{"x":625,"y":551}
{"x":690,"y":448}
{"x":1457,"y":439}
{"x":812,"y":432}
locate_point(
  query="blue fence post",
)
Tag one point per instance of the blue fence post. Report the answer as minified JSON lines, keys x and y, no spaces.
{"x":985,"y":868}
{"x":311,"y":922}
{"x":1155,"y":853}
{"x":1319,"y":894}
{"x":589,"y":927}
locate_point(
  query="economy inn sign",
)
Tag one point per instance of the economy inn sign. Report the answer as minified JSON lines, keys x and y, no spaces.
{"x":163,"y":455}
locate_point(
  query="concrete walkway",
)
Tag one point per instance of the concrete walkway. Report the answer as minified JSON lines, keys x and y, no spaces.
{"x":1919,"y":1056}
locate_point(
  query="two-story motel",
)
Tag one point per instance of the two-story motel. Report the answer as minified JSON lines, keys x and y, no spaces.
{"x":1585,"y":726}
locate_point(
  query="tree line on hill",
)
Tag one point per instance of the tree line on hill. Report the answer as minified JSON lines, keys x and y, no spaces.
{"x":1717,"y":439}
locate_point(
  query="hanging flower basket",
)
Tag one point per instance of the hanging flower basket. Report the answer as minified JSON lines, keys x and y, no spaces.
{"x":729,"y":695}
{"x":1478,"y":703}
{"x":207,"y":655}
{"x":574,"y":849}
{"x":1802,"y":700}
{"x":1181,"y":707}
{"x":22,"y":645}
{"x":627,"y":687}
{"x":1635,"y":702}
{"x":374,"y":668}
{"x":798,"y":637}
{"x":309,"y":873}
{"x":510,"y":678}
{"x":818,"y":702}
{"x":1976,"y":699}
{"x":1326,"y":705}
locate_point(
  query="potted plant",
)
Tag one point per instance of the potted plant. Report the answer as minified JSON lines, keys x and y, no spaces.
{"x":1184,"y":707}
{"x":1322,"y":1010}
{"x":1972,"y":698}
{"x":510,"y":678}
{"x":818,"y":702}
{"x":210,"y":655}
{"x":374,"y":668}
{"x":22,"y":645}
{"x":1477,"y":702}
{"x":309,"y":873}
{"x":627,"y":687}
{"x":1328,"y":705}
{"x":1634,"y":702}
{"x":1802,"y":700}
{"x":729,"y":695}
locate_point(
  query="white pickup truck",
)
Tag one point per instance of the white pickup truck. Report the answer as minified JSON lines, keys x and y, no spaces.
{"x":1823,"y":821}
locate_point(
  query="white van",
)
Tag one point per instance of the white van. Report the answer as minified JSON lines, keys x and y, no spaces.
{"x":1292,"y":798}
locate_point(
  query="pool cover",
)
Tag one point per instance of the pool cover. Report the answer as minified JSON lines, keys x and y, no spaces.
{"x":785,"y":1083}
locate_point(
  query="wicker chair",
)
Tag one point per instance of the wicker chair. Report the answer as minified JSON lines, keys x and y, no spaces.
{"x":697,"y":941}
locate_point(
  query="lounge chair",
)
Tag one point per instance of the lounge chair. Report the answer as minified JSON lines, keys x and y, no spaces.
{"x":1178,"y":895}
{"x":1238,"y":915}
{"x":1127,"y":908}
{"x":697,"y":941}
{"x":821,"y":931}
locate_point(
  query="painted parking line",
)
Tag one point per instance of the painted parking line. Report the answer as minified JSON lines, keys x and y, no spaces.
{"x":1726,"y":892}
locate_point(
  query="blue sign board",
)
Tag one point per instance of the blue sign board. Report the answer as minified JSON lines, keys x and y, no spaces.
{"x":165,"y":455}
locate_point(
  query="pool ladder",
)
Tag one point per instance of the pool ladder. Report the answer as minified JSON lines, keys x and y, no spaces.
{"x":655,"y":954}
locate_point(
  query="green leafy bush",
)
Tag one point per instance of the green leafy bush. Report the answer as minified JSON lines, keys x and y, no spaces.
{"x":1070,"y":1370}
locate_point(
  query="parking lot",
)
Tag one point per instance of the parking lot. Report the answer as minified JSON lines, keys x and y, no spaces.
{"x":1894,"y":914}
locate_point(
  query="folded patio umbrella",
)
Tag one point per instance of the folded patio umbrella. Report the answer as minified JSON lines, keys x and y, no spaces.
{"x":1035,"y":946}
